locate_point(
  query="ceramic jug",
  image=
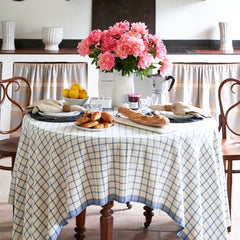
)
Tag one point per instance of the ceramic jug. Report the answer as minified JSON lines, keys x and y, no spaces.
{"x":160,"y":88}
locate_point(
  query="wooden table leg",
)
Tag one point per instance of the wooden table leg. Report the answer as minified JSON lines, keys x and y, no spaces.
{"x":80,"y":226}
{"x":106,"y":221}
{"x":129,"y":205}
{"x":148,"y":214}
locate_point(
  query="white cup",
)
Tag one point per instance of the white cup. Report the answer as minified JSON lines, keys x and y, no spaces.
{"x":52,"y":37}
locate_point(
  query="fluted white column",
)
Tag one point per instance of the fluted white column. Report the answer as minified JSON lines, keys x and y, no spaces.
{"x":8,"y":33}
{"x":225,"y":37}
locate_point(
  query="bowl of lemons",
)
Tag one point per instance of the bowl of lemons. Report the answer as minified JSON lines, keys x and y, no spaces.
{"x":76,"y":95}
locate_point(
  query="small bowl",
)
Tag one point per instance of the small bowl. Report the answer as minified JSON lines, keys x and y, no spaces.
{"x":75,"y":101}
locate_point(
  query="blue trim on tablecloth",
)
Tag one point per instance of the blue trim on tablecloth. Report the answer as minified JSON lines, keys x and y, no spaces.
{"x":113,"y":197}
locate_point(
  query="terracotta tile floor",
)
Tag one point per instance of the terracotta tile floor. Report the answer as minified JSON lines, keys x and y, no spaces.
{"x":128,"y":224}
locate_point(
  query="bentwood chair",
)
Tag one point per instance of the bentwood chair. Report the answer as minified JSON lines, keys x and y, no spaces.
{"x":9,"y":89}
{"x":230,"y":144}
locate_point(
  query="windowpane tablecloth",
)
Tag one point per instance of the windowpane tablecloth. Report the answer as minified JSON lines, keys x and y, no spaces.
{"x":60,"y":170}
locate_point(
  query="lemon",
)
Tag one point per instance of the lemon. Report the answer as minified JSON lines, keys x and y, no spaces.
{"x":65,"y":93}
{"x":74,"y":93}
{"x":83,"y":93}
{"x":75,"y":86}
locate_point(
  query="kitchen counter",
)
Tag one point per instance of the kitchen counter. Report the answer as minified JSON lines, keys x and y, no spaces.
{"x":201,"y":51}
{"x":39,"y":51}
{"x":170,"y":51}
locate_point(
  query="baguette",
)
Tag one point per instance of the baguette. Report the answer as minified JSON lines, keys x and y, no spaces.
{"x":156,"y":120}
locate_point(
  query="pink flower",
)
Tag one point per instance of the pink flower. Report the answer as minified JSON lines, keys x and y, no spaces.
{"x":95,"y":36}
{"x":157,"y":46}
{"x":108,"y":42}
{"x":136,"y":46}
{"x":160,"y":50}
{"x":106,"y":61}
{"x":122,"y":47}
{"x":166,"y":66}
{"x":83,"y":47}
{"x":122,"y":50}
{"x":139,"y":27}
{"x":146,"y":43}
{"x":119,"y":28}
{"x":145,"y":61}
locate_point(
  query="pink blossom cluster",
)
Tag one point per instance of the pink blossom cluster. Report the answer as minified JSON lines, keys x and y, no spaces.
{"x":121,"y":41}
{"x":166,"y":65}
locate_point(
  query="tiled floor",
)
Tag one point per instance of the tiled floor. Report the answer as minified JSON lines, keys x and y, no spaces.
{"x":128,"y":224}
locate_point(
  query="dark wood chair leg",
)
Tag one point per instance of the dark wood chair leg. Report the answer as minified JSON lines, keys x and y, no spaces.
{"x":229,"y":188}
{"x":106,"y":221}
{"x":129,"y":205}
{"x":148,"y":215}
{"x":80,"y":226}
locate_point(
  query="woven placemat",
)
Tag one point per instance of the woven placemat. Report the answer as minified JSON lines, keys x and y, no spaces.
{"x":55,"y":119}
{"x":194,"y":119}
{"x":175,"y":120}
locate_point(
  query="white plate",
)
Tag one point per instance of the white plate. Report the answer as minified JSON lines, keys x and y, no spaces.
{"x":92,"y":129}
{"x":60,"y":114}
{"x":174,"y":116}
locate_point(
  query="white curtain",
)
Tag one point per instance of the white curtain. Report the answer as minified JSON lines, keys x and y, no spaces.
{"x":198,"y":84}
{"x":47,"y":80}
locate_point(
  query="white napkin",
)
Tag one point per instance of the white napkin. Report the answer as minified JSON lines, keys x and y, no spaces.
{"x":50,"y":106}
{"x":161,"y":130}
{"x":180,"y":108}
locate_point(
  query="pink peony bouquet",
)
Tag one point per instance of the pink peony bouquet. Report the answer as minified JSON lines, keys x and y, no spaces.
{"x":125,"y":47}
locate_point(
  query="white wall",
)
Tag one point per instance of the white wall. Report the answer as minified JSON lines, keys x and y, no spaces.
{"x":31,"y":15}
{"x":196,"y":19}
{"x":175,"y":19}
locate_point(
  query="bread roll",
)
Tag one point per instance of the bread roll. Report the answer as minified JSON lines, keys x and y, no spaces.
{"x":95,"y":116}
{"x":87,"y":114}
{"x":89,"y":124}
{"x":99,"y":126}
{"x":156,"y":120}
{"x":107,"y":117}
{"x":107,"y":124}
{"x":82,"y":120}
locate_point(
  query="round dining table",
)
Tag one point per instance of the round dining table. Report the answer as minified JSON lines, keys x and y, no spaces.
{"x":60,"y":170}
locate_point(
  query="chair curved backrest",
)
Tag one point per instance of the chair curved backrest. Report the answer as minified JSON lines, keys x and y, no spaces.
{"x":7,"y":89}
{"x":233,"y":85}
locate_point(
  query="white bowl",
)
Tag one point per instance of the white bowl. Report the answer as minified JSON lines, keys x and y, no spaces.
{"x":75,"y":101}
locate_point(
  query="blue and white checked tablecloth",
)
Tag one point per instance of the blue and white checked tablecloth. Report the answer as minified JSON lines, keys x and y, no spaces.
{"x":61,"y":170}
